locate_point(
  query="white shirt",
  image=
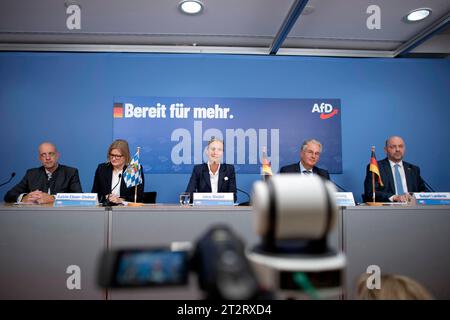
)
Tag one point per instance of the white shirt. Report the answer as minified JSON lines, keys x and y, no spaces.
{"x":214,"y":178}
{"x":402,"y":175}
{"x":302,"y":168}
{"x":116,"y":181}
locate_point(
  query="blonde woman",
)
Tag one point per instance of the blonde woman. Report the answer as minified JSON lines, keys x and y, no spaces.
{"x":108,"y":180}
{"x":213,"y":176}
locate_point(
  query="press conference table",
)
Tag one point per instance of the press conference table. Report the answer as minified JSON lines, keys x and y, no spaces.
{"x":39,"y":243}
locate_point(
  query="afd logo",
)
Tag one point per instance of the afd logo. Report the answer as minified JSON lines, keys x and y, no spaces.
{"x":326,"y":110}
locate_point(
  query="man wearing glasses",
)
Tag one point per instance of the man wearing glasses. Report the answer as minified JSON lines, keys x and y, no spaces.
{"x":40,"y":184}
{"x":309,"y":156}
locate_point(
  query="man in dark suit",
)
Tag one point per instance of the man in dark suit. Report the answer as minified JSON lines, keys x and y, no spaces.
{"x":309,"y":156}
{"x":213,"y":176}
{"x":398,"y":177}
{"x":40,"y":184}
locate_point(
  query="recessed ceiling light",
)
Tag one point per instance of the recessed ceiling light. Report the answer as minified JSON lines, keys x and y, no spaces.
{"x":191,"y":6}
{"x":418,"y":14}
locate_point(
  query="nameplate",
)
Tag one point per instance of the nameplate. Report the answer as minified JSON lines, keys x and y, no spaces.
{"x":344,"y":199}
{"x":75,"y":199}
{"x":213,"y":199}
{"x":432,"y":198}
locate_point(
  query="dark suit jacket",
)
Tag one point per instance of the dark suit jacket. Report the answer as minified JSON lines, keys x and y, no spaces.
{"x":295,"y":168}
{"x":414,"y":181}
{"x":64,"y":179}
{"x":102,"y":184}
{"x":200,"y":180}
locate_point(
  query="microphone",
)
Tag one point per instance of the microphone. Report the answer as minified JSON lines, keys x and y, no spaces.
{"x":339,"y":187}
{"x":428,"y":186}
{"x":120,"y":176}
{"x":13,"y":174}
{"x":344,"y":190}
{"x":247,"y":203}
{"x":109,"y":203}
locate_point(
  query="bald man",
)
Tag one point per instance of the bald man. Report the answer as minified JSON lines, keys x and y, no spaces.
{"x":40,"y":184}
{"x":399,"y":177}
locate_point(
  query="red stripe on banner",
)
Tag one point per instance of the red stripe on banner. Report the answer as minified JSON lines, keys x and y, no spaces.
{"x":324,"y":116}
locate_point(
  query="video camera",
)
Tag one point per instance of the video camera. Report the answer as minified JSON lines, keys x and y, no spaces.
{"x":293,"y":215}
{"x":218,"y":259}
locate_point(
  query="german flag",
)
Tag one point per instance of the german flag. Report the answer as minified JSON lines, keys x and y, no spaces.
{"x":118,"y":110}
{"x":374,"y":166}
{"x":266,"y":170}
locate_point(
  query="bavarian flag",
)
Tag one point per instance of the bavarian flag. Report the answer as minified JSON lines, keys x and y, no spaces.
{"x":374,"y":166}
{"x":132,"y":175}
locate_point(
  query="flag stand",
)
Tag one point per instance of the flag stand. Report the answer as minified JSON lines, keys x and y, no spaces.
{"x":373,"y":203}
{"x":135,"y":203}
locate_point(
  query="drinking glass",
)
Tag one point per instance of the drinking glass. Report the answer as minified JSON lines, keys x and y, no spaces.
{"x":185,"y":198}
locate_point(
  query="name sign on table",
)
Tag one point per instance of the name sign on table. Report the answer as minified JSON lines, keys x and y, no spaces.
{"x":213,"y":199}
{"x":432,"y":198}
{"x":76,"y":199}
{"x":344,"y":199}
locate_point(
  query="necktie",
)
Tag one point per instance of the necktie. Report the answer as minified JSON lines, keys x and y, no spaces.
{"x":307,"y":172}
{"x":398,"y":180}
{"x":49,"y":177}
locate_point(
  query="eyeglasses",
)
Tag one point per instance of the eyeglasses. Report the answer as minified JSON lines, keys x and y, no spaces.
{"x":50,"y":154}
{"x":115,"y":156}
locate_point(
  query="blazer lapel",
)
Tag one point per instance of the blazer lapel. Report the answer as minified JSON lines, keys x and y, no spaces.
{"x":206,"y":177}
{"x":109,"y":170}
{"x":41,"y":181}
{"x":58,"y":179}
{"x":390,"y":176}
{"x":222,"y":175}
{"x":123,"y":185}
{"x":408,"y":176}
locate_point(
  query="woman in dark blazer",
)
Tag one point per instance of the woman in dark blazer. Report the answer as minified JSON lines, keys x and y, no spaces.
{"x":213,"y":176}
{"x":108,"y":181}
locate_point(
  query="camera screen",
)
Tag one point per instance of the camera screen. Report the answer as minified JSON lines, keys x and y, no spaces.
{"x":151,"y":268}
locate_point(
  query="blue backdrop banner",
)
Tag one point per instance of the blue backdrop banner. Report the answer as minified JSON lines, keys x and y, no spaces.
{"x":173,"y":131}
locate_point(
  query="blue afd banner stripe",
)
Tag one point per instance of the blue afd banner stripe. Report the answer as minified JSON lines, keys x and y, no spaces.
{"x":173,"y":131}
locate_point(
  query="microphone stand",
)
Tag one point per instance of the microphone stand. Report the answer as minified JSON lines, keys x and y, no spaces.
{"x":10,"y":178}
{"x":109,"y":203}
{"x":247,"y":203}
{"x":342,"y":189}
{"x":428,"y":186}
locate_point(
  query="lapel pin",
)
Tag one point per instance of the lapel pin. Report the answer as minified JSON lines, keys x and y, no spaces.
{"x":225,"y":178}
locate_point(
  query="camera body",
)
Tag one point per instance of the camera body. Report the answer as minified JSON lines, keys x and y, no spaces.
{"x":218,"y":259}
{"x":294,"y":214}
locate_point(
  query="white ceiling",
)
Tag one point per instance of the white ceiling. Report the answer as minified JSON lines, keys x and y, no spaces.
{"x":326,"y":27}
